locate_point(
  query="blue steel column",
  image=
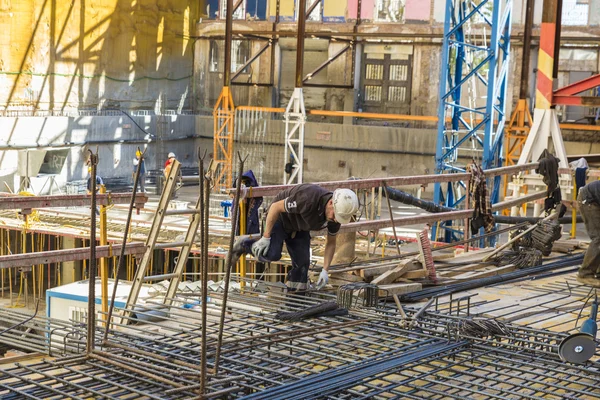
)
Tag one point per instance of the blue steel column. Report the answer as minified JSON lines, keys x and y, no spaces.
{"x":491,"y":59}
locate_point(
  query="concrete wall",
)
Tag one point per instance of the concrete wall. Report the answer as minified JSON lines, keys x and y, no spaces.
{"x":116,"y":139}
{"x":93,"y":54}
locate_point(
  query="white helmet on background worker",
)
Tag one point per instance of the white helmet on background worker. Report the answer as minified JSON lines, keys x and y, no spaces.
{"x":171,"y":155}
{"x":345,"y":205}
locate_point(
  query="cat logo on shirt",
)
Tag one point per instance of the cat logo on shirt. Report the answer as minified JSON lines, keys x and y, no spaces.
{"x":291,"y":204}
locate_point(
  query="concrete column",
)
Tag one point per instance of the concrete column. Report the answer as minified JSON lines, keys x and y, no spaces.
{"x":345,"y":248}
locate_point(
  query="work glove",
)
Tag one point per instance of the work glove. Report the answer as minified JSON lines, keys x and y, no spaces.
{"x":261,"y":247}
{"x":323,"y":279}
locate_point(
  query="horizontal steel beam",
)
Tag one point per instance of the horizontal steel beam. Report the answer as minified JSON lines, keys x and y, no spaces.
{"x":64,"y":255}
{"x":273,"y":190}
{"x":434,"y":217}
{"x":12,"y":202}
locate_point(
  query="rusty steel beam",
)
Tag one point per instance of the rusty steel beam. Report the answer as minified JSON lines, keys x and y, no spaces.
{"x":331,"y":59}
{"x":228,"y":43}
{"x":252,"y":59}
{"x":434,"y":217}
{"x":273,"y":190}
{"x":71,"y":200}
{"x":312,"y":8}
{"x":64,"y":255}
{"x":300,"y":42}
{"x":527,"y":30}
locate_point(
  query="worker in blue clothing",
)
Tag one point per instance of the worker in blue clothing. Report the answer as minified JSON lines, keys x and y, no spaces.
{"x":99,"y":182}
{"x":294,"y":213}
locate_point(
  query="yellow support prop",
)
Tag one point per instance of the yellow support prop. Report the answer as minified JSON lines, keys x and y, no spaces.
{"x":242,"y":261}
{"x":103,"y":260}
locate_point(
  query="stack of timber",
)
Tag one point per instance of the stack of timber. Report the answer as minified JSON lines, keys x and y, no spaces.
{"x":410,"y":274}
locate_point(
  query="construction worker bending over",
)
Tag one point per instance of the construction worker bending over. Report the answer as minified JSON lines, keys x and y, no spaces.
{"x":588,"y":201}
{"x":294,"y":213}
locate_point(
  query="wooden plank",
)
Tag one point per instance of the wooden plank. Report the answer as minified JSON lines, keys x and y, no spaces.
{"x":343,"y":278}
{"x":416,"y":274}
{"x":399,"y":288}
{"x":471,"y":256}
{"x":484,"y":274}
{"x":391,"y":275}
{"x":461,"y":270}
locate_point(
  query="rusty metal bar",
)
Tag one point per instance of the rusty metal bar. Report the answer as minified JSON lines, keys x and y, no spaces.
{"x":273,"y":190}
{"x":91,"y":314}
{"x":312,"y":7}
{"x":63,"y":255}
{"x":228,"y":41}
{"x":252,"y":59}
{"x":327,"y":62}
{"x":434,"y":217}
{"x":300,"y":42}
{"x":228,"y":262}
{"x":9,"y":202}
{"x":524,"y":84}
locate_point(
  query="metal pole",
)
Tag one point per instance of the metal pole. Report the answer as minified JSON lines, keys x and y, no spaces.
{"x":91,"y":316}
{"x":204,"y":270}
{"x":387,"y":197}
{"x":136,"y":180}
{"x":234,"y":219}
{"x":526,"y":50}
{"x":103,"y":260}
{"x":228,"y":39}
{"x":300,"y":42}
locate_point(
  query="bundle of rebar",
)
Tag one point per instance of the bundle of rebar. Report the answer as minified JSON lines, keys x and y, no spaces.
{"x":542,"y":237}
{"x":476,"y":283}
{"x":349,"y":293}
{"x":312,"y":311}
{"x":523,"y":258}
{"x":482,"y":328}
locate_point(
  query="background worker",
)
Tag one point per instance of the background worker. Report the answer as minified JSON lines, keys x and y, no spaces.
{"x":294,"y":213}
{"x":99,"y":182}
{"x":588,"y":201}
{"x":168,"y":164}
{"x":137,"y":160}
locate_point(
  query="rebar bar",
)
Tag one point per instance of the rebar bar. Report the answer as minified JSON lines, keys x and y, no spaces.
{"x":234,"y":225}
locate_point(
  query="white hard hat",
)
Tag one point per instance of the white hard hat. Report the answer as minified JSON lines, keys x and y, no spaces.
{"x":171,"y":155}
{"x":345,"y":205}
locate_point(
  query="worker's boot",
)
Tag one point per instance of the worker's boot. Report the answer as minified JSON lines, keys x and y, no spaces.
{"x":589,"y":280}
{"x":241,"y":246}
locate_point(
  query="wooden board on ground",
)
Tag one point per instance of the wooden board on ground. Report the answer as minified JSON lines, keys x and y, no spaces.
{"x":343,"y":278}
{"x":469,"y":257}
{"x":453,"y":271}
{"x":467,"y":276}
{"x":416,"y":274}
{"x":393,"y":274}
{"x":399,"y":288}
{"x":374,"y":272}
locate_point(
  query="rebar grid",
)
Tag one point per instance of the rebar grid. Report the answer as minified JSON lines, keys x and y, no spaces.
{"x":161,"y":359}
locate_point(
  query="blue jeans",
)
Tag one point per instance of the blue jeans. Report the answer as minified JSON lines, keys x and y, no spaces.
{"x":298,"y":247}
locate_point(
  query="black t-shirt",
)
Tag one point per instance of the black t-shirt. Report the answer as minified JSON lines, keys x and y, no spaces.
{"x":305,"y":209}
{"x":593,"y":192}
